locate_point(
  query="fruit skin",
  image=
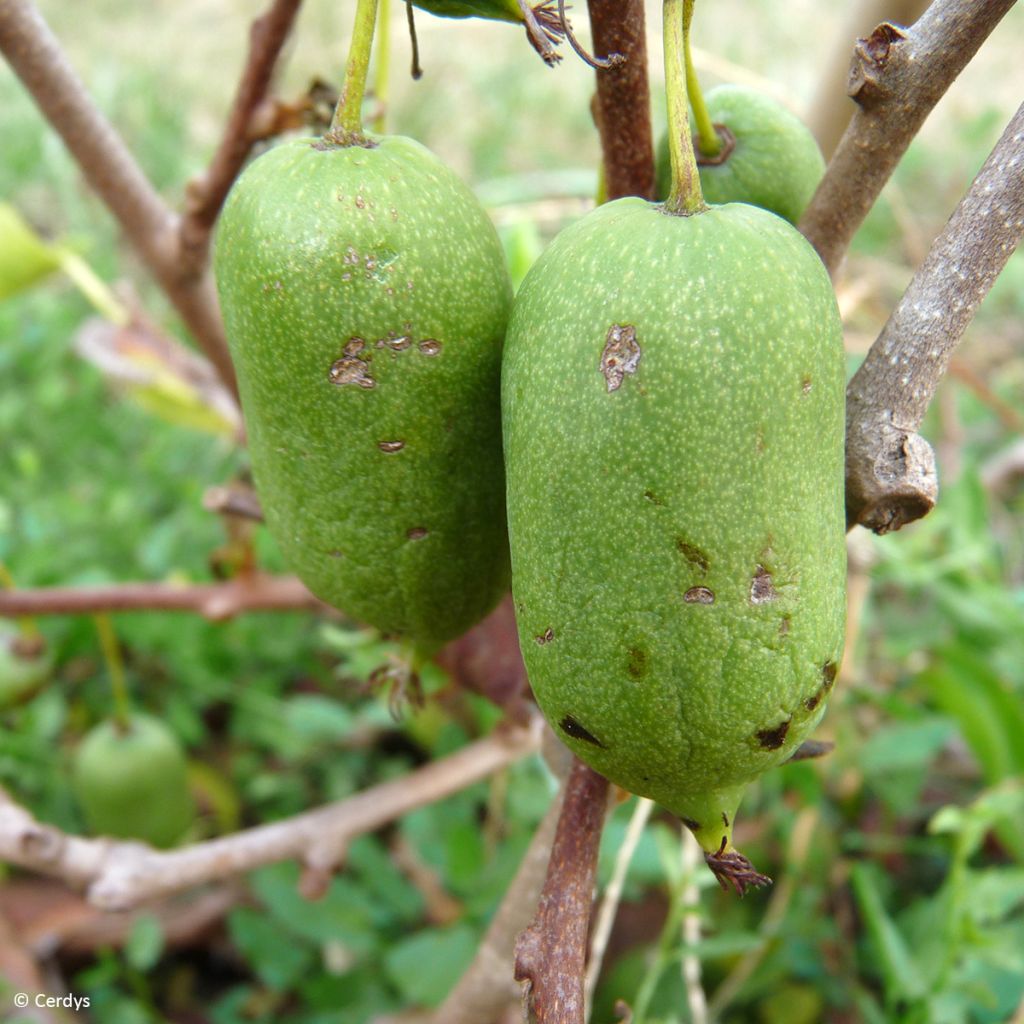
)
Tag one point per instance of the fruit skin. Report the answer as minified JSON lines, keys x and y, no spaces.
{"x":22,"y":672}
{"x":776,"y":163}
{"x":132,"y":783}
{"x":673,"y":407}
{"x":365,"y":298}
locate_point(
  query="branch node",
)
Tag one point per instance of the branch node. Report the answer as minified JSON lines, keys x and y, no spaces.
{"x":42,"y":842}
{"x":872,"y":56}
{"x":899,"y":486}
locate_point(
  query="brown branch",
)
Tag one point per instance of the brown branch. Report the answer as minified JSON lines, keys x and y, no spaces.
{"x":890,"y":468}
{"x":233,"y":500}
{"x":119,"y":874}
{"x":215,"y":601}
{"x":487,"y":661}
{"x":831,"y":108}
{"x":896,"y":78}
{"x":623,"y":107}
{"x":551,"y":953}
{"x":37,"y":58}
{"x":206,"y":195}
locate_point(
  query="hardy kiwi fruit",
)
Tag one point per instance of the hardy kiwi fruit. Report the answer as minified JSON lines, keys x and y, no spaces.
{"x":672,"y":397}
{"x":769,"y":157}
{"x":365,"y":299}
{"x":131,"y":781}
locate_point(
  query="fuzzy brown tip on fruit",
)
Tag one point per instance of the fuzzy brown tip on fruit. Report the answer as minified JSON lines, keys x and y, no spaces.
{"x":730,"y":867}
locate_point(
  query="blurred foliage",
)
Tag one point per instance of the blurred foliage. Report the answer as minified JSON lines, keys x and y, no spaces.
{"x":901,"y":899}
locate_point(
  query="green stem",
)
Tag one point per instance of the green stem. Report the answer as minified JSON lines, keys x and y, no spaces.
{"x":684,"y":197}
{"x":103,"y":300}
{"x":382,"y":67}
{"x":115,"y":668}
{"x":707,"y":138}
{"x":666,"y":950}
{"x":348,"y":115}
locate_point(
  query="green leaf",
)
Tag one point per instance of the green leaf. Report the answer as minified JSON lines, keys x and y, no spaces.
{"x":994,"y":894}
{"x":896,"y":964}
{"x":145,"y":942}
{"x":905,"y":745}
{"x":317,"y":719}
{"x":271,"y":950}
{"x":346,"y":913}
{"x":425,"y":966}
{"x":24,"y":257}
{"x":996,"y":808}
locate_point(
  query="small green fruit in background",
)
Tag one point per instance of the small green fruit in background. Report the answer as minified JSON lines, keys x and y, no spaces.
{"x":673,"y":403}
{"x":772,"y":160}
{"x":365,"y":298}
{"x":26,"y":665}
{"x":131,"y":781}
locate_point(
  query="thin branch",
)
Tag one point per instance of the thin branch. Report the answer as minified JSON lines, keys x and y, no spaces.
{"x":890,"y":468}
{"x":551,"y":953}
{"x":487,"y":660}
{"x":118,"y":874}
{"x":149,"y":225}
{"x":206,"y":195}
{"x":897,"y":77}
{"x":214,"y":601}
{"x":623,"y":107}
{"x":696,"y":1000}
{"x":605,"y":918}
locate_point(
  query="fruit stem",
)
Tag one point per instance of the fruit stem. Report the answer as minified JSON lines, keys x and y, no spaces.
{"x":685,"y":196}
{"x":347,"y":123}
{"x":26,"y":625}
{"x":708,"y":141}
{"x":382,"y":67}
{"x":115,"y":668}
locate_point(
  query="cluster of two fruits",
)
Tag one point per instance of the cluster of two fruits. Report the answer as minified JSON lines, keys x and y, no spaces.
{"x":671,"y":417}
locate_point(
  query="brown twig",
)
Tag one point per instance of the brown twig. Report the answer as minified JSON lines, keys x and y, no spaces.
{"x":487,"y":661}
{"x":119,"y":874}
{"x":831,"y":108}
{"x":896,"y":78}
{"x":215,"y":601}
{"x":206,"y":195}
{"x":623,"y":107}
{"x":149,"y":225}
{"x":233,"y":500}
{"x":551,"y":953}
{"x":890,"y":468}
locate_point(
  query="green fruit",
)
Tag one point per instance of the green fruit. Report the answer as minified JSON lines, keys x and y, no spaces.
{"x":132,"y":782}
{"x":26,"y":664}
{"x":775,"y":162}
{"x":672,"y":399}
{"x":365,"y":297}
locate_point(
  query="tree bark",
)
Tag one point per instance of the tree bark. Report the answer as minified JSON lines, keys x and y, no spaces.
{"x":890,"y":468}
{"x":897,"y":77}
{"x":623,"y":104}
